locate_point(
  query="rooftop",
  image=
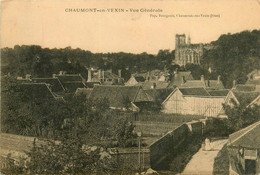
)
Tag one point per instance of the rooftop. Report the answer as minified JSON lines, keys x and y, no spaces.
{"x":247,"y":137}
{"x":194,"y":91}
{"x":118,"y":95}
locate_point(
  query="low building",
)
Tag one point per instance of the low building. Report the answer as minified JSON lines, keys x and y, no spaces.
{"x":54,"y":83}
{"x":241,"y":98}
{"x":208,"y":84}
{"x":83,"y":91}
{"x":246,"y":88}
{"x":254,"y":77}
{"x":193,"y":101}
{"x":71,"y":82}
{"x":158,"y":94}
{"x":244,"y":150}
{"x":105,"y":77}
{"x":121,"y":97}
{"x":179,"y":78}
{"x":39,"y":91}
{"x":135,"y":80}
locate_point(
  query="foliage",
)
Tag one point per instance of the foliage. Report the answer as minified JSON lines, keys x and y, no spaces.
{"x":39,"y":62}
{"x":234,"y":56}
{"x":69,"y":157}
{"x":240,"y":116}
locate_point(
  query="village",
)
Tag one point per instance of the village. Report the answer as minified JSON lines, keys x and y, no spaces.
{"x":171,"y":121}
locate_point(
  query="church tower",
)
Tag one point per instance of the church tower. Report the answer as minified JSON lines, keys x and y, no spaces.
{"x":180,"y":40}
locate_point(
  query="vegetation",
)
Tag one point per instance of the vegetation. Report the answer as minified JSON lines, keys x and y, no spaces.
{"x":240,"y":116}
{"x":221,"y":162}
{"x":39,"y":62}
{"x":234,"y":56}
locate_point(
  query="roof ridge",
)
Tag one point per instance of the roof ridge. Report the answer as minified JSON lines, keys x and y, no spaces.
{"x":251,"y":127}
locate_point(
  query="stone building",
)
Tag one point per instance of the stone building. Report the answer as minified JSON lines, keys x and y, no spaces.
{"x":185,"y":52}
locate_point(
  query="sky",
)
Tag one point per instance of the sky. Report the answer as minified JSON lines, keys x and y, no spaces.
{"x":49,"y":24}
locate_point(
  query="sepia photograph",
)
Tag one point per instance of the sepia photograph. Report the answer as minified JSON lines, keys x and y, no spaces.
{"x":130,"y":87}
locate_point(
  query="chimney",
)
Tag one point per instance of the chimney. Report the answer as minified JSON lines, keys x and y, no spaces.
{"x":103,"y":75}
{"x":148,"y":75}
{"x":175,"y":72}
{"x":202,"y":78}
{"x":119,"y":73}
{"x":234,"y":83}
{"x":153,"y":86}
{"x":183,"y":80}
{"x":28,"y":76}
{"x":89,"y":75}
{"x":54,"y":76}
{"x":99,"y":74}
{"x":219,"y":79}
{"x":208,"y":83}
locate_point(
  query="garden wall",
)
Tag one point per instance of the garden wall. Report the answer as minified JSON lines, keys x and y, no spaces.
{"x":167,"y":147}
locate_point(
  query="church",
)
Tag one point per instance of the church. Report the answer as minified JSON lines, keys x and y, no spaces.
{"x":187,"y":52}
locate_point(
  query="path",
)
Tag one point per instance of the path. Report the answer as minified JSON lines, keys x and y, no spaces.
{"x":203,"y":161}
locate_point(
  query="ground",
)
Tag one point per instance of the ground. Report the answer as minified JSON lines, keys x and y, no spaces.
{"x":202,"y":163}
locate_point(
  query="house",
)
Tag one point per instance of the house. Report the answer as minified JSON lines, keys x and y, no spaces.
{"x":158,"y":94}
{"x":244,"y":150}
{"x":241,"y":98}
{"x":254,"y":77}
{"x":179,"y":78}
{"x":246,"y":87}
{"x":135,"y":80}
{"x":71,"y":82}
{"x":121,"y":97}
{"x":256,"y":101}
{"x":54,"y":83}
{"x":83,"y":91}
{"x":105,"y":77}
{"x":155,"y":84}
{"x":40,"y":91}
{"x":208,"y":84}
{"x":193,"y":101}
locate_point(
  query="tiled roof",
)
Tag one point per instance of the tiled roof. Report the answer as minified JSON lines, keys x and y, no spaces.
{"x":159,"y":94}
{"x":107,"y":75}
{"x":209,"y":84}
{"x":247,"y":137}
{"x":194,"y":83}
{"x":159,"y":84}
{"x":71,"y":82}
{"x":37,"y":91}
{"x":83,"y":91}
{"x":244,"y":87}
{"x":54,"y":83}
{"x":246,"y":97}
{"x":194,"y":91}
{"x":70,"y":77}
{"x":255,"y":82}
{"x":177,"y":79}
{"x":223,"y":92}
{"x":118,"y":94}
{"x":71,"y":87}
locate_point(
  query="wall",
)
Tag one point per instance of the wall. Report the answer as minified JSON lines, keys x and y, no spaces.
{"x":163,"y":150}
{"x":192,"y":105}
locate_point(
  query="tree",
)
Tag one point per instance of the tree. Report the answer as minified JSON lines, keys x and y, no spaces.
{"x":240,"y":116}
